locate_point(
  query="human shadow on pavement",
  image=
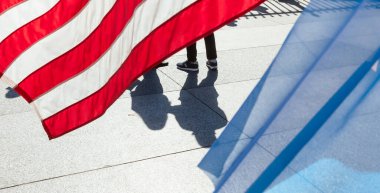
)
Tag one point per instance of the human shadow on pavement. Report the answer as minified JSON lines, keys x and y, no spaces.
{"x":154,"y":110}
{"x":203,"y":126}
{"x":11,"y":93}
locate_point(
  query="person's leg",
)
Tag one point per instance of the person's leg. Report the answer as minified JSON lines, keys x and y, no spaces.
{"x":210,"y":47}
{"x":192,"y":52}
{"x":191,"y":63}
{"x":212,"y":64}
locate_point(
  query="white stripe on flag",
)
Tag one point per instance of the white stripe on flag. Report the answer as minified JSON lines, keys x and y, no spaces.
{"x":22,"y":14}
{"x":150,"y":15}
{"x":60,"y":41}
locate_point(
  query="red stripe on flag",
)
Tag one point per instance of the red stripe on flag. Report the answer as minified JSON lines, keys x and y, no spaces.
{"x":207,"y":15}
{"x":80,"y":57}
{"x":7,"y":4}
{"x":16,"y":43}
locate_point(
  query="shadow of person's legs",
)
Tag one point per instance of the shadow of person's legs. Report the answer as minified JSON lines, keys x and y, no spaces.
{"x":212,"y":94}
{"x":203,"y":126}
{"x":11,"y":93}
{"x":152,"y":110}
{"x":212,"y":102}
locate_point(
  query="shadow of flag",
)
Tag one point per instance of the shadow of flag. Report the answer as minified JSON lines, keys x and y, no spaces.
{"x":317,"y":101}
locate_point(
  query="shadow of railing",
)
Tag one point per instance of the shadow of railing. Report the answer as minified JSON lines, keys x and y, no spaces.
{"x":280,"y":8}
{"x":277,"y":8}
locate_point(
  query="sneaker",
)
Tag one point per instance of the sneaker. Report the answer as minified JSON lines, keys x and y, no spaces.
{"x":188,"y":66}
{"x":212,"y":65}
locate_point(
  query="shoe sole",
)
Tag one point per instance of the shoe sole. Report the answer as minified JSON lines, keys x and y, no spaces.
{"x":188,"y":69}
{"x":212,"y":67}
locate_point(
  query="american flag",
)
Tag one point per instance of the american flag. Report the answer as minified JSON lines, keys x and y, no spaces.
{"x":71,"y":59}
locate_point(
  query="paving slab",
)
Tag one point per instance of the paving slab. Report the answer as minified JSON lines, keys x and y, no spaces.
{"x":251,"y":37}
{"x":233,"y":66}
{"x":229,"y":96}
{"x":292,"y":183}
{"x":352,"y":146}
{"x":152,"y":82}
{"x":277,"y":10}
{"x":270,"y":13}
{"x":133,"y":129}
{"x":169,"y":174}
{"x":241,"y":38}
{"x":286,"y":20}
{"x":11,"y":102}
{"x":356,"y":104}
{"x":299,"y":107}
{"x":337,"y":159}
{"x":249,"y":22}
{"x":251,"y":169}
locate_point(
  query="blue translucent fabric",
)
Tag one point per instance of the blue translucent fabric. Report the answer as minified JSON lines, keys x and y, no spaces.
{"x":312,"y":124}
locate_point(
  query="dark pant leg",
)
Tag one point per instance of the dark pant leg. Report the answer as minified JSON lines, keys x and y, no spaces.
{"x":192,"y":53}
{"x":210,"y":47}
